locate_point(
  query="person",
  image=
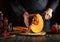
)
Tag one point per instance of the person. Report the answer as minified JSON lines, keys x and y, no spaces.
{"x":29,"y":7}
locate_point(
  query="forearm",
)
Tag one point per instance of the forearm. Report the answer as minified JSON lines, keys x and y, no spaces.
{"x":53,"y":4}
{"x":17,"y":8}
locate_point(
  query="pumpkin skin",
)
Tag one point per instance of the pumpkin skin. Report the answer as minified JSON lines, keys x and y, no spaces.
{"x":36,"y":24}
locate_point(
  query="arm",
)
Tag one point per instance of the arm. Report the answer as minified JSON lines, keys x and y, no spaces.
{"x":53,"y":4}
{"x":51,"y":7}
{"x":17,"y":8}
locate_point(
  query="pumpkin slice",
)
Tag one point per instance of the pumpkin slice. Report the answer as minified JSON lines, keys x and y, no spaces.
{"x":36,"y":24}
{"x":19,"y":28}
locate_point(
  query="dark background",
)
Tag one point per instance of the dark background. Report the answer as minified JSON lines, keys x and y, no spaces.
{"x":5,"y":6}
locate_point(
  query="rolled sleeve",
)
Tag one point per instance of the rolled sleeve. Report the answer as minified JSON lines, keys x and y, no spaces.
{"x":17,"y":8}
{"x":53,"y":4}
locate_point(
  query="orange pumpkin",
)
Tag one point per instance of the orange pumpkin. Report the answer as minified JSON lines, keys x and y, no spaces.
{"x":36,"y":24}
{"x":19,"y":28}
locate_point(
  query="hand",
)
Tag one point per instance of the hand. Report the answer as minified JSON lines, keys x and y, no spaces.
{"x":26,"y":19}
{"x":48,"y":14}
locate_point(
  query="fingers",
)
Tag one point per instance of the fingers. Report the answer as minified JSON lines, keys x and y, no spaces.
{"x":26,"y":20}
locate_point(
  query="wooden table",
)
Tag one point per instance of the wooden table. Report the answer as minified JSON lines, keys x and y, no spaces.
{"x":38,"y":38}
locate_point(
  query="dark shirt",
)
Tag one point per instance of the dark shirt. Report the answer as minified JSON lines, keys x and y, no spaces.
{"x":33,"y":6}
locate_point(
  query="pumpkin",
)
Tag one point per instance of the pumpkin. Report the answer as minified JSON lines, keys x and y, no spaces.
{"x":19,"y":28}
{"x":37,"y":23}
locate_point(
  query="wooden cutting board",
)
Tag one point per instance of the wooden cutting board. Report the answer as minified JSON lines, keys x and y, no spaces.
{"x":17,"y":30}
{"x":41,"y":33}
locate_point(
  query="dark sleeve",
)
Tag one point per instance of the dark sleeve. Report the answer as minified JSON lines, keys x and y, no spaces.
{"x":53,"y":4}
{"x":17,"y":8}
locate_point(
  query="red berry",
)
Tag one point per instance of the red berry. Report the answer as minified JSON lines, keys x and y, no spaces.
{"x":53,"y":29}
